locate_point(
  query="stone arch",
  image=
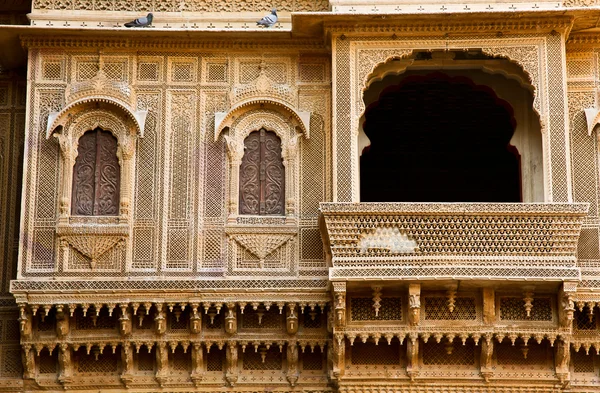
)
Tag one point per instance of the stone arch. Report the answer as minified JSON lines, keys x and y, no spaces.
{"x":271,"y":119}
{"x":525,"y":57}
{"x":133,"y":119}
{"x":299,"y":119}
{"x":68,"y":125}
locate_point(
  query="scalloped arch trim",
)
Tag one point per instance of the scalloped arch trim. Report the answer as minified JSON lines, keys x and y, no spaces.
{"x":56,"y":119}
{"x":592,"y":116}
{"x":225,"y":119}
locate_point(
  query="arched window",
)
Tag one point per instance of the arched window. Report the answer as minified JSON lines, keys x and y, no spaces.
{"x":96,"y":175}
{"x":262,"y":175}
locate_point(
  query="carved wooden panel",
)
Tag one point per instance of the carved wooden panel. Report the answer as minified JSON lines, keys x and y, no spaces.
{"x":262,"y":175}
{"x":96,"y":175}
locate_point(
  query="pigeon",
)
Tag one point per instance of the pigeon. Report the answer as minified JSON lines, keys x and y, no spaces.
{"x":268,"y":20}
{"x":141,"y":22}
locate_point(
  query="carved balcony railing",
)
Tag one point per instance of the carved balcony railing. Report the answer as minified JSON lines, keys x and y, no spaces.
{"x":518,"y":241}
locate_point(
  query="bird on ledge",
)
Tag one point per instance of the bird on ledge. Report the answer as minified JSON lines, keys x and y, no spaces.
{"x":268,"y":20}
{"x":141,"y":22}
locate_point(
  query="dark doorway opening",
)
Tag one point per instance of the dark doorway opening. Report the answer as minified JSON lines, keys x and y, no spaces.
{"x":436,"y":138}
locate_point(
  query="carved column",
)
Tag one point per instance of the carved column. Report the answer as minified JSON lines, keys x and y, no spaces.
{"x":412,"y":355}
{"x":337,"y":358}
{"x":339,"y":295}
{"x":160,"y":319}
{"x":125,"y":320}
{"x":25,"y":319}
{"x":487,"y":351}
{"x":65,"y":364}
{"x":231,"y":374}
{"x":414,"y":304}
{"x":235,"y":151}
{"x":127,"y":363}
{"x":292,"y":363}
{"x":62,"y":321}
{"x":69,"y":154}
{"x":28,"y":358}
{"x":566,"y":299}
{"x":489,"y":306}
{"x":562,"y":359}
{"x":292,"y":319}
{"x":195,"y":319}
{"x":125,"y":152}
{"x":197,"y":363}
{"x":289,"y":162}
{"x":162,"y":362}
{"x":231,"y":319}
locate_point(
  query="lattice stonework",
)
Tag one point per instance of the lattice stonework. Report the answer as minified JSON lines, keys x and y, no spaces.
{"x":436,"y":308}
{"x":520,"y":355}
{"x":382,"y":354}
{"x":362,"y":309}
{"x":448,"y":354}
{"x":512,"y":309}
{"x":263,"y":359}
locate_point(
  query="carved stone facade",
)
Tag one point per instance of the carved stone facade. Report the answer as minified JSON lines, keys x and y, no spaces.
{"x":188,"y":198}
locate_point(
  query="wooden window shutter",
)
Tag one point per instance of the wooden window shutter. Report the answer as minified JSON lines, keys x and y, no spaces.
{"x":262,"y":175}
{"x":96,"y":175}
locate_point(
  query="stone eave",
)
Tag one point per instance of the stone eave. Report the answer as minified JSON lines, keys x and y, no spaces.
{"x":428,"y":23}
{"x":164,"y":287}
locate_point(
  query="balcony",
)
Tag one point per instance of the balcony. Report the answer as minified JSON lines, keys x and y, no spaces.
{"x":427,"y":241}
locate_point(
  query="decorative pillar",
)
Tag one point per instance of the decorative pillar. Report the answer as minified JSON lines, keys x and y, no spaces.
{"x":412,"y":355}
{"x":231,"y":319}
{"x":336,"y":354}
{"x":69,"y":154}
{"x":65,"y":365}
{"x":292,"y":319}
{"x":566,"y":298}
{"x":487,"y":351}
{"x":292,"y":363}
{"x":62,"y":321}
{"x":197,"y":364}
{"x":231,"y":373}
{"x":235,"y":151}
{"x":562,"y":358}
{"x":125,"y":152}
{"x":160,"y":320}
{"x":339,"y":296}
{"x":162,"y":362}
{"x":28,"y":359}
{"x":414,"y":304}
{"x":127,"y":363}
{"x":489,"y":306}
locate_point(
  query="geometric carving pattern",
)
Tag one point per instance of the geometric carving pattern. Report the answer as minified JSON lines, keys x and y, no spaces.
{"x":513,"y":309}
{"x":369,"y":353}
{"x":448,"y":354}
{"x":362,"y":309}
{"x":261,"y":245}
{"x":436,"y":308}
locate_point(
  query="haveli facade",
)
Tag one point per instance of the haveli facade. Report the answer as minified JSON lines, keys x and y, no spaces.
{"x":368,"y":197}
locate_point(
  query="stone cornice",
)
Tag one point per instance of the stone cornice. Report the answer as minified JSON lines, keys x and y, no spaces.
{"x":84,"y":41}
{"x":584,"y":40}
{"x":168,"y":286}
{"x":537,"y":25}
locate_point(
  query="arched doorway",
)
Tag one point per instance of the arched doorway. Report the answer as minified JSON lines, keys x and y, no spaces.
{"x":439,"y":138}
